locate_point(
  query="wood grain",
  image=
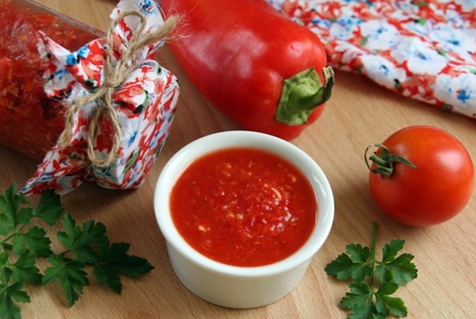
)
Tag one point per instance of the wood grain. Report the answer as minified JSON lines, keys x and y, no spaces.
{"x":359,"y":113}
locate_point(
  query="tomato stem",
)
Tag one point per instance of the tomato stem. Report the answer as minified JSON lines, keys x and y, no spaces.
{"x":384,"y":160}
{"x":302,"y":94}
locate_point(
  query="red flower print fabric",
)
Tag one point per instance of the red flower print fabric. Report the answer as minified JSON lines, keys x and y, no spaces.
{"x":424,"y":50}
{"x":144,"y":105}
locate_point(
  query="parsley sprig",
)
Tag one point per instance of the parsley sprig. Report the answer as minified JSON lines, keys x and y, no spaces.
{"x":373,"y":281}
{"x":22,"y":245}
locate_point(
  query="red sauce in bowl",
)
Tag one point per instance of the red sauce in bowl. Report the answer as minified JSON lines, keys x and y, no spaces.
{"x":244,"y":207}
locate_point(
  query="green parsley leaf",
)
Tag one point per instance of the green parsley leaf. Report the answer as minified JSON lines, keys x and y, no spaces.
{"x":9,"y":296}
{"x":70,"y":273}
{"x":353,"y":265}
{"x":390,"y":250}
{"x":113,"y":261}
{"x":359,"y":294}
{"x":34,"y":241}
{"x":5,"y":270}
{"x":108,"y":278}
{"x":49,"y":208}
{"x":400,"y":270}
{"x":373,"y":281}
{"x":22,"y":245}
{"x":24,"y":270}
{"x":385,"y":305}
{"x":79,"y":240}
{"x":10,"y":204}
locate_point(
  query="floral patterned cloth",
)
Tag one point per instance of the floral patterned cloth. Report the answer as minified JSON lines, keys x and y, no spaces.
{"x":145,"y":105}
{"x":425,"y":50}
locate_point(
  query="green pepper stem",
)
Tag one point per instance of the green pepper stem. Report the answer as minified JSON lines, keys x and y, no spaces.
{"x":302,"y":94}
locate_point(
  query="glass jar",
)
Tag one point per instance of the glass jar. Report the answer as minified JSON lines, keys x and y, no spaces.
{"x":30,"y":122}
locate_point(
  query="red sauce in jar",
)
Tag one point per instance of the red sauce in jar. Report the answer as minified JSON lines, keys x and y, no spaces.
{"x":30,"y":122}
{"x":244,"y":207}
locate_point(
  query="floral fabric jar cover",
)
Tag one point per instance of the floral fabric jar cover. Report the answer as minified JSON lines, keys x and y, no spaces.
{"x":424,"y":50}
{"x":145,"y":105}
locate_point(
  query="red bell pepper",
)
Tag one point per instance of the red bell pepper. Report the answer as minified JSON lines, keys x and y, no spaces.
{"x":264,"y":71}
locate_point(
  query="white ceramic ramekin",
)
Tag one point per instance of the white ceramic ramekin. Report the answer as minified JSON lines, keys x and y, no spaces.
{"x":231,"y":286}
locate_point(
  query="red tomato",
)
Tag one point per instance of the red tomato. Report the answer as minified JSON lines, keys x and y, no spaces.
{"x":434,"y":191}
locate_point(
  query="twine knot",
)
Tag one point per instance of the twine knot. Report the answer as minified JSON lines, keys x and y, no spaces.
{"x":114,"y":78}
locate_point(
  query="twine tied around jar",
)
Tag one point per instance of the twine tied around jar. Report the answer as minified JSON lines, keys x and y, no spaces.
{"x":114,"y":77}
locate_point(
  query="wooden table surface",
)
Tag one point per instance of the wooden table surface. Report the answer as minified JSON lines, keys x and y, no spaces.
{"x":359,"y":113}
